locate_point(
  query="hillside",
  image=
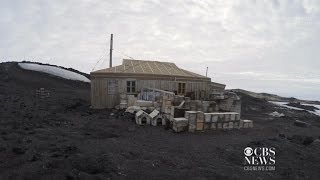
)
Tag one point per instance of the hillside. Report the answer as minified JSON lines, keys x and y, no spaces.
{"x":273,"y":97}
{"x":60,"y":137}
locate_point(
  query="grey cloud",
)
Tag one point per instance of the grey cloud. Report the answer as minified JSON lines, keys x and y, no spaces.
{"x":230,"y":37}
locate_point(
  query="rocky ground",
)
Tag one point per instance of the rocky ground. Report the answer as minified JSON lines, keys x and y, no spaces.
{"x":62,"y":138}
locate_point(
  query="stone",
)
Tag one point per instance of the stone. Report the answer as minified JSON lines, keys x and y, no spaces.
{"x":18,"y":150}
{"x":316,"y":142}
{"x":301,"y":124}
{"x":276,"y":114}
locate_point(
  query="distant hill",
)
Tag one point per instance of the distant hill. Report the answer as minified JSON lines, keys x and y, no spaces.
{"x":12,"y":75}
{"x":273,"y":97}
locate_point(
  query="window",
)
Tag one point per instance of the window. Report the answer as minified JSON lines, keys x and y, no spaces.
{"x":182,"y":88}
{"x":131,"y":86}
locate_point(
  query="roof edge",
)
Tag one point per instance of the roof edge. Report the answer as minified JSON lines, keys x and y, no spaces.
{"x":132,"y":75}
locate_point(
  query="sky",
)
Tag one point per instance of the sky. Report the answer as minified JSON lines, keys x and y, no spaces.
{"x":268,"y":46}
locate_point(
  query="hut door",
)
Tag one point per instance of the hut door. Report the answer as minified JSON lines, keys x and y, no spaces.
{"x":112,"y":90}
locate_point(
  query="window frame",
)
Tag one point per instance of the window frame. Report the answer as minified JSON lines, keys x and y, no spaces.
{"x":131,"y":87}
{"x":181,"y":88}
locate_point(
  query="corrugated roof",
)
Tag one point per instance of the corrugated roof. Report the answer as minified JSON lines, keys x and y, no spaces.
{"x":148,"y":67}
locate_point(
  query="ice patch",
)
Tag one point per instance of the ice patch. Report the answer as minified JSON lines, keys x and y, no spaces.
{"x":56,"y":71}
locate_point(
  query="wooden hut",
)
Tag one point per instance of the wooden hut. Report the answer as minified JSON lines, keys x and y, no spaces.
{"x":134,"y":75}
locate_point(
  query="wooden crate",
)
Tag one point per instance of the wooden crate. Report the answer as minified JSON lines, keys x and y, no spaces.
{"x":207,"y":126}
{"x":213,"y":126}
{"x":207,"y":117}
{"x":200,"y":126}
{"x":214,"y":118}
{"x":200,"y":117}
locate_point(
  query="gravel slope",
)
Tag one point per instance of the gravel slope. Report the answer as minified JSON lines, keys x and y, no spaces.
{"x":62,"y":138}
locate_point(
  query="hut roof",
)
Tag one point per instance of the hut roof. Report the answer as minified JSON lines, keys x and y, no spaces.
{"x":144,"y":67}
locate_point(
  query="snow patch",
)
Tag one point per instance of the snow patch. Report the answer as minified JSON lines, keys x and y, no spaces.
{"x":284,"y":104}
{"x":56,"y":71}
{"x":317,"y":112}
{"x":276,"y":114}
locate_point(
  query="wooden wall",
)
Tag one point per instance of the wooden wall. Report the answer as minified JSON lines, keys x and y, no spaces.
{"x":100,"y":98}
{"x":99,"y":94}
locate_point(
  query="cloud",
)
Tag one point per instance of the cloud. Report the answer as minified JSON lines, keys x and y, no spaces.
{"x":265,"y":38}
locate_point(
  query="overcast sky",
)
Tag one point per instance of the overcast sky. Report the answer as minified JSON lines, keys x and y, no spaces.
{"x":260,"y":45}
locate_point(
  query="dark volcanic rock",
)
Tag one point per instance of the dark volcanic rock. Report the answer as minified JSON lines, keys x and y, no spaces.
{"x":18,"y":150}
{"x":300,"y":139}
{"x":301,"y":123}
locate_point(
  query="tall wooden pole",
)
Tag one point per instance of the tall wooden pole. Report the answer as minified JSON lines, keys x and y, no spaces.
{"x":207,"y":72}
{"x":111,"y":48}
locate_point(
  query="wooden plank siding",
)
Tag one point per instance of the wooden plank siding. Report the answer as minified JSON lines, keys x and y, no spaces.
{"x":101,"y":99}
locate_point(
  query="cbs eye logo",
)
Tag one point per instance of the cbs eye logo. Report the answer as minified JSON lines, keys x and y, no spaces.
{"x":248,"y":151}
